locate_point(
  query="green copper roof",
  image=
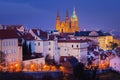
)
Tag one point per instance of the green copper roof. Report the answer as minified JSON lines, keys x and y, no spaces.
{"x":74,"y":14}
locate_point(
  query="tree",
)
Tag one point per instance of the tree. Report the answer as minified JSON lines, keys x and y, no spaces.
{"x":2,"y":57}
{"x":29,"y":49}
{"x":25,"y":50}
{"x":79,"y":71}
{"x":113,"y":45}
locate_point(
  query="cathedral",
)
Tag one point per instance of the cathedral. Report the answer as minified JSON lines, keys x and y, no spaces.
{"x":69,"y":25}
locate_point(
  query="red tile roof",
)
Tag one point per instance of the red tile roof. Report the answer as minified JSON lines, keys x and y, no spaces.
{"x":5,"y":34}
{"x":11,"y":27}
{"x":42,"y":33}
{"x":28,"y":36}
{"x":74,"y":41}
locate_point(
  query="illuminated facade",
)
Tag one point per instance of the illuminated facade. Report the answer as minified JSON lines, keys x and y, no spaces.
{"x":102,"y":38}
{"x":67,"y":26}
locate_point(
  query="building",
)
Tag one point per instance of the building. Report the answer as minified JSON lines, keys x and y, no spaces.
{"x":44,"y":43}
{"x":115,"y":64}
{"x":102,"y":38}
{"x":69,"y":25}
{"x":11,"y":46}
{"x":76,"y":48}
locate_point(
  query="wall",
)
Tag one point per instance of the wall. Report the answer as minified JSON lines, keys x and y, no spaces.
{"x":78,"y":50}
{"x":11,"y":49}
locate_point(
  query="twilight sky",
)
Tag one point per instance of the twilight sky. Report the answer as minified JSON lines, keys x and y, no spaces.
{"x":92,"y":14}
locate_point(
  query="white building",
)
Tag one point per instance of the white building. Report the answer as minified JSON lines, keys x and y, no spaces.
{"x":11,"y":45}
{"x":76,"y":48}
{"x":44,"y":43}
{"x":115,"y":63}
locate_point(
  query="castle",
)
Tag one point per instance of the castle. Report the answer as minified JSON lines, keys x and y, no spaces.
{"x":67,"y":26}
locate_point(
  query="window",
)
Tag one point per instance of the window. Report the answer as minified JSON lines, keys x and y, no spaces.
{"x":65,"y":49}
{"x":14,"y":42}
{"x":9,"y":43}
{"x":58,"y":48}
{"x":77,"y":46}
{"x":3,"y":43}
{"x":72,"y":46}
{"x":6,"y":43}
{"x":49,"y":49}
{"x":49,"y":43}
{"x":38,"y":43}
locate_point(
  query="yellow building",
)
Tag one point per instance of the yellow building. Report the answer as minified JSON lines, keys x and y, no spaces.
{"x":102,"y":38}
{"x":67,"y":26}
{"x":104,"y":41}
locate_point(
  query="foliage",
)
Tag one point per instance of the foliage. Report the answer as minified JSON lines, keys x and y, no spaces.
{"x":26,"y":50}
{"x":2,"y":57}
{"x":113,"y":45}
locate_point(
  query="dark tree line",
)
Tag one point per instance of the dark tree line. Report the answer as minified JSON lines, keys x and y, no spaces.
{"x":26,"y":50}
{"x":113,"y":45}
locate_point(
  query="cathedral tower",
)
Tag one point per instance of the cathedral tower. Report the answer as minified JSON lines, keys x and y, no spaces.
{"x":74,"y":22}
{"x":67,"y":22}
{"x":67,"y":26}
{"x":58,"y":22}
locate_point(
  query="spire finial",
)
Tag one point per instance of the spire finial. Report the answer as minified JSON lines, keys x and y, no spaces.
{"x":74,"y":11}
{"x":66,"y":13}
{"x":58,"y":14}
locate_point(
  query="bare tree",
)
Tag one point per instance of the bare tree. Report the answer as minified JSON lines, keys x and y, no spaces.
{"x":2,"y":58}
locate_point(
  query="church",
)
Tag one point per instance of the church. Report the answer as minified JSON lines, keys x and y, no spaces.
{"x":69,"y":25}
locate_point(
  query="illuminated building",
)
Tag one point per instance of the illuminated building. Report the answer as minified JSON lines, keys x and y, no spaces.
{"x":102,"y":38}
{"x":67,"y":26}
{"x":11,"y":46}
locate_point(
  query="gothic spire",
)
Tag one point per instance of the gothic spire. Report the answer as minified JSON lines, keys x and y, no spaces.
{"x":66,"y":13}
{"x":58,"y":14}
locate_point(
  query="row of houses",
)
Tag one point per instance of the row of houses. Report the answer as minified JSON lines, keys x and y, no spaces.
{"x":34,"y":45}
{"x":20,"y":45}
